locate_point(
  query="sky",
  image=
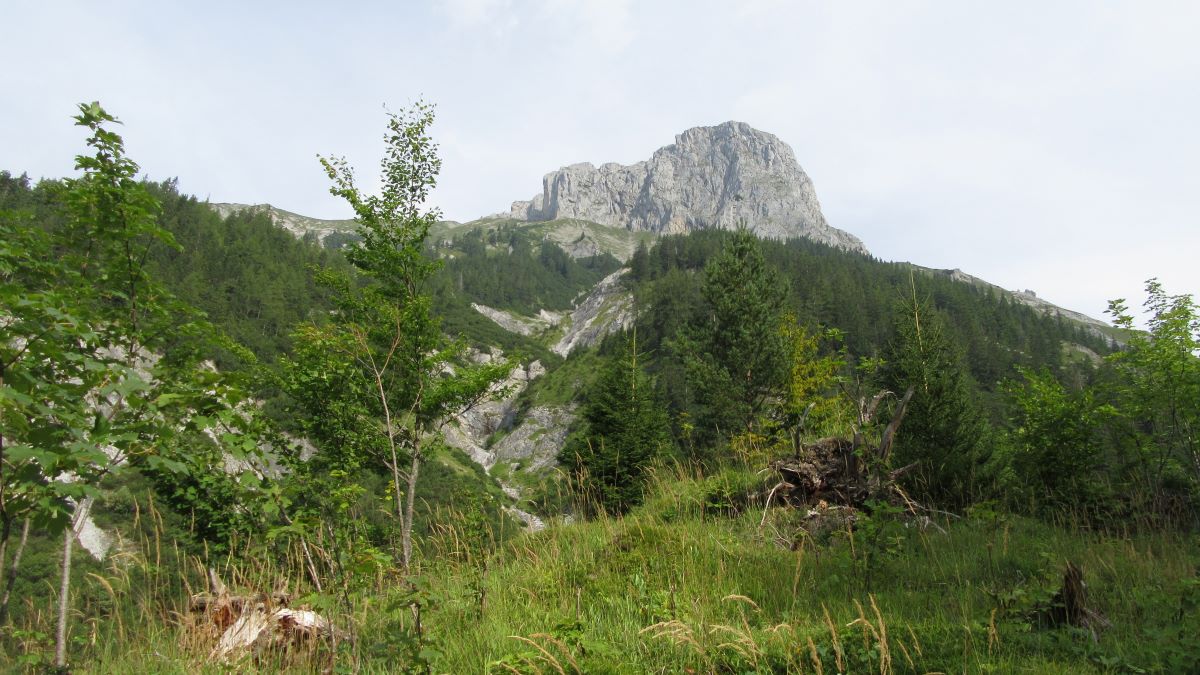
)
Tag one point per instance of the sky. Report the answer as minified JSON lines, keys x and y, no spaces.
{"x":1052,"y":146}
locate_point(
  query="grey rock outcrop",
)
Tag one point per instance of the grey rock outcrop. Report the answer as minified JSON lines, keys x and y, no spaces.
{"x":515,"y":323}
{"x":606,"y":309}
{"x":469,"y":431}
{"x":537,"y":440}
{"x":711,"y":177}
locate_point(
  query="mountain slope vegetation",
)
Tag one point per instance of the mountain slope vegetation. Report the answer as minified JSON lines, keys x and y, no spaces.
{"x":1025,"y":451}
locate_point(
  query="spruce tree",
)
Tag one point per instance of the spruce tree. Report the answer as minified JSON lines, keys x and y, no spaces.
{"x":943,"y":429}
{"x":735,"y":354}
{"x":624,"y":428}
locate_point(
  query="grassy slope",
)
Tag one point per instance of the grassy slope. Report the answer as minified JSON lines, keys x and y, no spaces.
{"x":687,"y":583}
{"x":671,"y":588}
{"x":564,"y":384}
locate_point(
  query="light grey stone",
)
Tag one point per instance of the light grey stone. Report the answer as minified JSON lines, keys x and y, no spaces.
{"x":711,"y":177}
{"x":513,"y":322}
{"x":608,"y":308}
{"x":537,"y":439}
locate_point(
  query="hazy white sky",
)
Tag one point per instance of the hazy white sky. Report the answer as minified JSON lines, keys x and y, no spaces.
{"x":1045,"y":145}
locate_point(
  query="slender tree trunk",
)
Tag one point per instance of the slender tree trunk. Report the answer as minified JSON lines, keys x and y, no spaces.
{"x":394,"y":465}
{"x":3,"y":492}
{"x":407,"y":523}
{"x":396,"y":483}
{"x":11,"y":579}
{"x":3,"y":503}
{"x":64,"y":589}
{"x":5,"y":532}
{"x":308,"y":559}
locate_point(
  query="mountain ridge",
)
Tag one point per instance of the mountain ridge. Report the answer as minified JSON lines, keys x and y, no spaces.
{"x":1030,"y":298}
{"x":299,"y":225}
{"x":712,"y":177}
{"x":721,"y":176}
{"x":570,"y":233}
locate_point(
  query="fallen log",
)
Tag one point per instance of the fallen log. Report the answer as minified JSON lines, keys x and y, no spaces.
{"x":257,"y":630}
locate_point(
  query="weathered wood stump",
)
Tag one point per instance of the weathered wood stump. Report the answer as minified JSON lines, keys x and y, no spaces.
{"x":252,"y":623}
{"x":843,"y":471}
{"x":1069,"y":605}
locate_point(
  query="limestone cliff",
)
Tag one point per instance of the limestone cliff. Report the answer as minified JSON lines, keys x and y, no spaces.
{"x":711,"y":177}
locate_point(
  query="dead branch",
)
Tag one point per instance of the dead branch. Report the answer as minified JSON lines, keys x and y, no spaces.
{"x":889,"y":434}
{"x":846,"y":472}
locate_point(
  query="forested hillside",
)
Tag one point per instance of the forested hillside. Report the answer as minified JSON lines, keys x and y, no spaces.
{"x":248,"y":276}
{"x":861,"y":297}
{"x":785,"y":457}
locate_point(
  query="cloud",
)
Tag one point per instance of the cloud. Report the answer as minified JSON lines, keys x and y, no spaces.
{"x":473,"y":13}
{"x":1022,"y":143}
{"x":603,"y":25}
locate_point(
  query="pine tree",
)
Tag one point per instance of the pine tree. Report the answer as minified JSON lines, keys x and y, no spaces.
{"x":943,"y":429}
{"x":625,"y":427}
{"x":736,"y":355}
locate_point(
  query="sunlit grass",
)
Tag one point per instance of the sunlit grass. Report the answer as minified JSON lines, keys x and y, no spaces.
{"x":684,"y":583}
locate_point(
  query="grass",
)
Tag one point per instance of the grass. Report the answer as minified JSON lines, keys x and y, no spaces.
{"x":566,"y":232}
{"x":565,"y":384}
{"x":676,"y":586}
{"x":618,"y":241}
{"x":698,"y":579}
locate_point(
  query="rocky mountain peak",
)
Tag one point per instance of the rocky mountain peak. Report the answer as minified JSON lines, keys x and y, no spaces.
{"x":711,"y":177}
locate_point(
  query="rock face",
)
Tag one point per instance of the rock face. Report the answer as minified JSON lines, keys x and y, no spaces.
{"x":711,"y":177}
{"x":469,"y":431}
{"x":514,"y":323}
{"x":606,"y":309}
{"x":537,"y":439}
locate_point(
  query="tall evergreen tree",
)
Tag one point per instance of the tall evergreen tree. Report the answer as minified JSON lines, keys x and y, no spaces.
{"x":735,"y":354}
{"x":625,"y":427}
{"x":943,"y":429}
